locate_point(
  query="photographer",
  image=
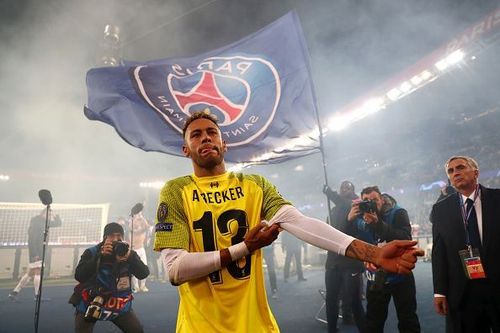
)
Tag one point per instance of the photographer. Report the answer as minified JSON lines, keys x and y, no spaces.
{"x":380,"y":220}
{"x":343,"y":275}
{"x":104,"y":291}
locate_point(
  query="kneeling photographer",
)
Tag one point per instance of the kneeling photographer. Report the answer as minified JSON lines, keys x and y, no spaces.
{"x":379,"y":219}
{"x":104,"y":292}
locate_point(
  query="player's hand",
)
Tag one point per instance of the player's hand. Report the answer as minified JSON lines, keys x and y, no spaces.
{"x":261,"y":235}
{"x":441,"y":305}
{"x":371,"y":267}
{"x":399,"y":256}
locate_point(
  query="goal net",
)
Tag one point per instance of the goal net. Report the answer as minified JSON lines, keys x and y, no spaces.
{"x":81,"y":224}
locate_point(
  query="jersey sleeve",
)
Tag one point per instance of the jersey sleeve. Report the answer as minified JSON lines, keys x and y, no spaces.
{"x":272,"y":200}
{"x":171,"y":225}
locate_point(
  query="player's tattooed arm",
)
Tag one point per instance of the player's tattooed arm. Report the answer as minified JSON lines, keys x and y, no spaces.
{"x":398,"y":256}
{"x":362,"y":251}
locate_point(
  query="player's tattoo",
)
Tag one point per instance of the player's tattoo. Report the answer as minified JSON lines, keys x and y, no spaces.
{"x":362,"y":251}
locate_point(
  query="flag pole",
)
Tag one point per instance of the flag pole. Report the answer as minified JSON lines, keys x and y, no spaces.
{"x":323,"y":159}
{"x":300,"y":33}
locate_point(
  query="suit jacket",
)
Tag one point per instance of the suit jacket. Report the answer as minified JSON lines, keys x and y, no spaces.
{"x":448,"y":234}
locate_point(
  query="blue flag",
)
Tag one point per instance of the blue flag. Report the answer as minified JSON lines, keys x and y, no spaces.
{"x":259,"y":88}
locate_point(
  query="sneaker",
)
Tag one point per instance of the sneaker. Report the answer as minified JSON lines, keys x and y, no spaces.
{"x":144,"y":289}
{"x":43,"y":299}
{"x":275,"y":294}
{"x":13,"y":296}
{"x":302,"y":279}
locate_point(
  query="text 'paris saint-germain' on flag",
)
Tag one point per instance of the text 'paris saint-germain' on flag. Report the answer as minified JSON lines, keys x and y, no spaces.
{"x":259,"y":88}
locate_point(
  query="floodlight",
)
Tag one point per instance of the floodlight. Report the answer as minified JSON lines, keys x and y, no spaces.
{"x":405,"y":86}
{"x":393,"y":94}
{"x":416,"y":80}
{"x":455,"y":57}
{"x":441,"y":64}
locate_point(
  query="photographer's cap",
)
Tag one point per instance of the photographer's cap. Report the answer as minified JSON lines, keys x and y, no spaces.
{"x":112,"y":228}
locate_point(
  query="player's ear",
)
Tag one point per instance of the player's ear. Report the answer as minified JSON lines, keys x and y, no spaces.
{"x":224,"y":145}
{"x":185,"y":151}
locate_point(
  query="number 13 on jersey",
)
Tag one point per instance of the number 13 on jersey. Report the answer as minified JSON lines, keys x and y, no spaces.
{"x":231,"y":223}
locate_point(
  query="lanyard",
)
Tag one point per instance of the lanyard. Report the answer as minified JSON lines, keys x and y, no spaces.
{"x":466,"y":215}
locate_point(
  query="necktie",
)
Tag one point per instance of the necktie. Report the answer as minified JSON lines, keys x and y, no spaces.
{"x":472,"y":227}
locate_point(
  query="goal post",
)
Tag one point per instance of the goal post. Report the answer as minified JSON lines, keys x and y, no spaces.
{"x":81,"y":223}
{"x":82,"y":226}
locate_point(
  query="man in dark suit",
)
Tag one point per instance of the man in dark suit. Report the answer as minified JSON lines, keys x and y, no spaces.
{"x":466,"y":251}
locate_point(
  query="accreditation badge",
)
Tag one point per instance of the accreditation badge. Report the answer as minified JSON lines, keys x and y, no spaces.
{"x":471,"y":262}
{"x":123,"y":283}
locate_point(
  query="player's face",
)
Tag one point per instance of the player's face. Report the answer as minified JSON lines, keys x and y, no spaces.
{"x":462,"y":176}
{"x":203,"y":144}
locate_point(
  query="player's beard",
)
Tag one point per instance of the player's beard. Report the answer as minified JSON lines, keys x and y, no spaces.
{"x":210,"y":162}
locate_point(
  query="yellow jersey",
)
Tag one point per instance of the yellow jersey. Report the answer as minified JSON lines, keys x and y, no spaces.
{"x":212,"y":213}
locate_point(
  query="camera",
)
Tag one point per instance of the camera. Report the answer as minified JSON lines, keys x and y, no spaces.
{"x":94,"y":310}
{"x":367,"y":206}
{"x":120,"y":248}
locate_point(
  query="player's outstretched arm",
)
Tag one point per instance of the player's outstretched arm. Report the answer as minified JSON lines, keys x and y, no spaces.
{"x":398,"y":256}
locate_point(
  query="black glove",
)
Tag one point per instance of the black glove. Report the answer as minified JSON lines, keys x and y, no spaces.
{"x":327,"y":191}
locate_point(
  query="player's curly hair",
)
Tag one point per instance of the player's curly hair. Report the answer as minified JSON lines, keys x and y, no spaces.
{"x":205,"y":114}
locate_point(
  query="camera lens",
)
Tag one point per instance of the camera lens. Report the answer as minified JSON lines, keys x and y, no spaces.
{"x":367,"y":206}
{"x":120,"y":248}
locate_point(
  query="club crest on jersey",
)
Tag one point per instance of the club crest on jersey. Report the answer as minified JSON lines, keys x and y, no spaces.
{"x":243,"y":92}
{"x":162,"y":212}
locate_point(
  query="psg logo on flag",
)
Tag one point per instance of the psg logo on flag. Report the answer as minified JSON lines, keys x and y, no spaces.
{"x":243,"y":92}
{"x":259,"y":88}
